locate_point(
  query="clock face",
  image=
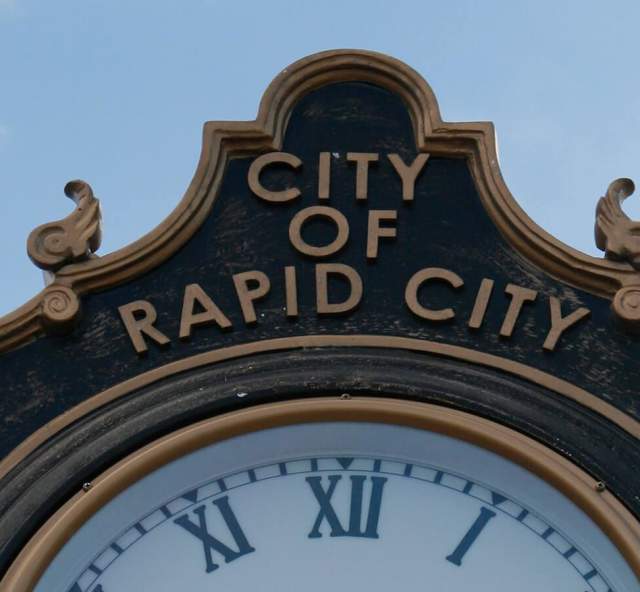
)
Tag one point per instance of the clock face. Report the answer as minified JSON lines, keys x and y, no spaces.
{"x":339,"y":505}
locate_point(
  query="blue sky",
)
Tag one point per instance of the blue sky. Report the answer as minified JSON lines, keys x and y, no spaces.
{"x":116,"y":92}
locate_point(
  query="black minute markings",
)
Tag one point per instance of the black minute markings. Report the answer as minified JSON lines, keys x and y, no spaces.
{"x":178,"y":510}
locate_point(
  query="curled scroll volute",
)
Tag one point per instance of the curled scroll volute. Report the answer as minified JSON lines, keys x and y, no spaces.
{"x":616,"y":234}
{"x":619,"y":237}
{"x":55,"y":244}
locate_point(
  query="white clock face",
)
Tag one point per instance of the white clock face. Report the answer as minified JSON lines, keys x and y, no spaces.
{"x":339,"y":506}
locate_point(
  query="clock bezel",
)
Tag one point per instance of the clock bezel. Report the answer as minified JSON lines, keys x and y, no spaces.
{"x":618,"y":524}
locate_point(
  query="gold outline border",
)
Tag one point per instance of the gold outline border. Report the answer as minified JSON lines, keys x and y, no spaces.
{"x":224,"y":140}
{"x":533,"y":375}
{"x":613,"y":519}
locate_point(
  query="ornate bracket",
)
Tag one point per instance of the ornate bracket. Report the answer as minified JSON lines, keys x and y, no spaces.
{"x":616,"y":234}
{"x":55,"y":244}
{"x":619,"y":237}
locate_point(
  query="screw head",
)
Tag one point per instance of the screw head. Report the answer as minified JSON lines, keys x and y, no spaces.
{"x":601,"y":486}
{"x":87,"y":486}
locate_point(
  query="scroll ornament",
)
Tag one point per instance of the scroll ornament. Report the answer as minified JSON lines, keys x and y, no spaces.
{"x":55,"y":244}
{"x":619,"y":237}
{"x":60,"y":308}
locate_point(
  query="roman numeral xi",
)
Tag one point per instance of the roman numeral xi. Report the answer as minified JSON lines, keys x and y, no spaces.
{"x":210,"y":544}
{"x":357,"y":513}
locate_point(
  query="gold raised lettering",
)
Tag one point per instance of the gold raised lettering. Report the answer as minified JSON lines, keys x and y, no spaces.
{"x":324,"y":175}
{"x":262,"y":192}
{"x":291,"y":291}
{"x":375,"y":232}
{"x":247,"y":296}
{"x":137,"y":328}
{"x":362,"y":160}
{"x":560,"y":324}
{"x":481,"y":303}
{"x":295,"y":231}
{"x":408,"y":173}
{"x":323,"y":306}
{"x":193,"y":294}
{"x":519,"y":296}
{"x":425,"y":275}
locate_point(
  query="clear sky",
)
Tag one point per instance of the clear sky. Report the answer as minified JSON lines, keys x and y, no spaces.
{"x":116,"y":92}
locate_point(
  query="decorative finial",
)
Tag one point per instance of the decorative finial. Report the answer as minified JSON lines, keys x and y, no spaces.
{"x":619,"y":237}
{"x":616,"y":234}
{"x":55,"y":244}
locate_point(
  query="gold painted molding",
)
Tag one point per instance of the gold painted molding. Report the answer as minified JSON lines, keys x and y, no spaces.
{"x":602,"y":507}
{"x":533,"y":375}
{"x":224,"y":140}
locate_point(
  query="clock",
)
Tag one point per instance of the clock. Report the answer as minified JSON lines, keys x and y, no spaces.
{"x":337,"y":494}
